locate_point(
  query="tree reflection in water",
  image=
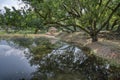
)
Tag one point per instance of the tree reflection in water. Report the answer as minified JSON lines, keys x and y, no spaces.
{"x":61,"y":61}
{"x":69,"y":60}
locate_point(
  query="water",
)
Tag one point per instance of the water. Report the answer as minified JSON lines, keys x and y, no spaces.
{"x":13,"y":63}
{"x":38,"y":59}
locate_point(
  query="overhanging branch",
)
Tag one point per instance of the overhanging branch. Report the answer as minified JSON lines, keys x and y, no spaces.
{"x":66,"y":25}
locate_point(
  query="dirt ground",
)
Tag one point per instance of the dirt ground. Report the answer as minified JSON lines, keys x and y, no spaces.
{"x":107,"y":49}
{"x":25,"y":35}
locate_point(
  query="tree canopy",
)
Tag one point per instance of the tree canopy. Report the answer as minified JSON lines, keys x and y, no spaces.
{"x":91,"y":16}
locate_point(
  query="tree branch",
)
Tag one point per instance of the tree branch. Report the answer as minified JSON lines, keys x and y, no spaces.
{"x":39,"y":13}
{"x":114,"y":23}
{"x":66,"y":25}
{"x":105,"y":6}
{"x":108,"y":19}
{"x":71,"y":11}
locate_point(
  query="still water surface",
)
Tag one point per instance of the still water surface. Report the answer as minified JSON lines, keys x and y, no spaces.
{"x":13,"y":63}
{"x":38,"y":59}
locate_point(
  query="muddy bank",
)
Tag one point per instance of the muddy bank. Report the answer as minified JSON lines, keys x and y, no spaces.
{"x":106,"y":49}
{"x":24,"y":35}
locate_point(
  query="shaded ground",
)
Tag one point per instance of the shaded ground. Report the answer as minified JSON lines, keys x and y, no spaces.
{"x":107,"y":47}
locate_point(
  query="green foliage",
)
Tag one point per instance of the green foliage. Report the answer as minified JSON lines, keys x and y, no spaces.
{"x":91,"y":16}
{"x":43,"y":47}
{"x":33,"y":21}
{"x":12,"y":19}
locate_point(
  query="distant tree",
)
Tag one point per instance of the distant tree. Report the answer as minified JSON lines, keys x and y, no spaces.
{"x":12,"y":19}
{"x":35,"y":22}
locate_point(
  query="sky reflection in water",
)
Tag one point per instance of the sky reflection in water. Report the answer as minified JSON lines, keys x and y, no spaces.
{"x":13,"y":63}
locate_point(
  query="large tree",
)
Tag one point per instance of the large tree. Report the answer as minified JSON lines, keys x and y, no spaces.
{"x":91,"y":16}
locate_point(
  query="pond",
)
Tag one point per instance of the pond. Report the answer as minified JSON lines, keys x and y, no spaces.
{"x":39,"y":59}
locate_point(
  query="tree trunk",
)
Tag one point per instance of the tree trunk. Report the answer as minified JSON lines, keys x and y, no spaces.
{"x":7,"y":30}
{"x":94,"y":37}
{"x":36,"y":31}
{"x":118,"y":29}
{"x":107,"y":26}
